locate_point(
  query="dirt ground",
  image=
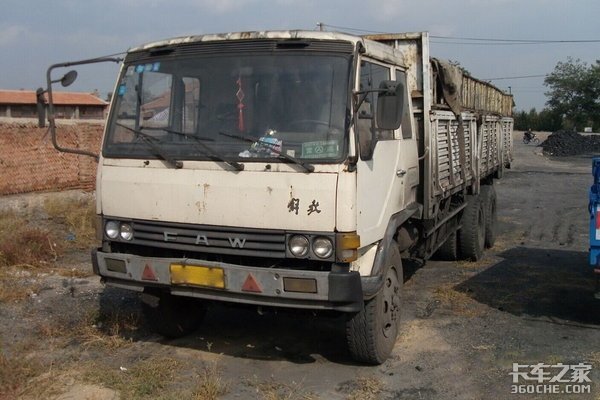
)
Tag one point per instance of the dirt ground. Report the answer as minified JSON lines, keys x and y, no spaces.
{"x":529,"y":301}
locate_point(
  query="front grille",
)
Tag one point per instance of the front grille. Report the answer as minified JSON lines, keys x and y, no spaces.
{"x":209,"y":239}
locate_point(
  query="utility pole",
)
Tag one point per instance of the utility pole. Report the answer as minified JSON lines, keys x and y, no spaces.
{"x":320,"y":26}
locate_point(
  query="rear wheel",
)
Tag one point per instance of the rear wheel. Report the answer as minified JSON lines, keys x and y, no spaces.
{"x":172,"y":316}
{"x":371,"y":333}
{"x":449,"y":250}
{"x":488,"y":196}
{"x":471,"y":236}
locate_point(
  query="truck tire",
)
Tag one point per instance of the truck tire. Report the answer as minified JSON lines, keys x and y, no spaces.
{"x":449,"y":250}
{"x":471,"y":237}
{"x":488,"y":196}
{"x":371,"y":333}
{"x":173,"y":316}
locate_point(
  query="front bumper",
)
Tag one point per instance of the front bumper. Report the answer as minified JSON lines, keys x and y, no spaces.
{"x":333,"y":291}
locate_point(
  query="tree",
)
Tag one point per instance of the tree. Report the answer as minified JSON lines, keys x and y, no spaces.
{"x":574,"y":93}
{"x":549,"y":120}
{"x":545,"y":120}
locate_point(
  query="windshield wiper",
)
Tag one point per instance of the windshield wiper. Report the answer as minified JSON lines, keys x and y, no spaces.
{"x":152,"y":142}
{"x":307,"y":167}
{"x":209,"y":151}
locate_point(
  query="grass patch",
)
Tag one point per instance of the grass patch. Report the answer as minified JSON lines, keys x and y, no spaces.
{"x":271,"y":390}
{"x":17,"y":284}
{"x":15,"y":372}
{"x":210,"y":384}
{"x":108,"y":331}
{"x":483,"y":262}
{"x":78,"y":215}
{"x":73,"y":272}
{"x":147,"y":379}
{"x":24,"y":245}
{"x":363,"y":388}
{"x":26,"y":251}
{"x":458,"y":302}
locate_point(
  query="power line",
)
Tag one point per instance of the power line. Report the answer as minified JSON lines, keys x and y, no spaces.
{"x":516,"y":41}
{"x":506,"y":43}
{"x":514,"y":77}
{"x":470,"y":40}
{"x":320,"y":24}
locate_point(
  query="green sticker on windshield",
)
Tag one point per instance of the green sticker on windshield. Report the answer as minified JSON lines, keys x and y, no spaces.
{"x":321,"y":149}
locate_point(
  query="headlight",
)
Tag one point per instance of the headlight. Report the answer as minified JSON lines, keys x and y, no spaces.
{"x":298,"y":246}
{"x":126,"y":232}
{"x":112,"y":229}
{"x":322,"y":247}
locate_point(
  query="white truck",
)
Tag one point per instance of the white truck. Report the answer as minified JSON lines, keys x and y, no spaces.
{"x":293,"y":169}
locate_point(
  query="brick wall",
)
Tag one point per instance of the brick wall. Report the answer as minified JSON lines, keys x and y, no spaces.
{"x":29,"y":162}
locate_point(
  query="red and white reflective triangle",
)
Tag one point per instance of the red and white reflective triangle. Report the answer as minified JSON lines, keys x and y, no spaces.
{"x":251,"y":285}
{"x":148,"y":274}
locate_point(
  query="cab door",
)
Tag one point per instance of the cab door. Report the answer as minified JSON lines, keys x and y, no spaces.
{"x":380,"y":180}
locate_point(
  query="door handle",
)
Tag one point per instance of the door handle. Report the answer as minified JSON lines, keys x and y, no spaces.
{"x":400,"y":173}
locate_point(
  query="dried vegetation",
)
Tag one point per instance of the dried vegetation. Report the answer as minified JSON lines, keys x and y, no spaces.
{"x":28,"y":247}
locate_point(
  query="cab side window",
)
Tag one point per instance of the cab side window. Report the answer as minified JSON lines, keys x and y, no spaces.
{"x":406,"y":127}
{"x":371,"y":75}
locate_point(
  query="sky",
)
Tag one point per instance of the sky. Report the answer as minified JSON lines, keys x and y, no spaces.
{"x":35,"y":34}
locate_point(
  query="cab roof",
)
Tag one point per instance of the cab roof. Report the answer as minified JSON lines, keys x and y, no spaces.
{"x":372,"y":48}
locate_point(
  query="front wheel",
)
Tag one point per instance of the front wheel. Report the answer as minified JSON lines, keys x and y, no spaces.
{"x":371,"y":333}
{"x":172,"y":316}
{"x":536,"y":141}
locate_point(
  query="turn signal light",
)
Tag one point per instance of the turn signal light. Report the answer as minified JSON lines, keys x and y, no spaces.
{"x":347,"y":246}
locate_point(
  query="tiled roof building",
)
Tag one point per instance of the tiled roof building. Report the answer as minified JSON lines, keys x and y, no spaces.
{"x":67,"y":105}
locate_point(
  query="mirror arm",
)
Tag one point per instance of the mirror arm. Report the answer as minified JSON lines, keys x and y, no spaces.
{"x":51,"y":118}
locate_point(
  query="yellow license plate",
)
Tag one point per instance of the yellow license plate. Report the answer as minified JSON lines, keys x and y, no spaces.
{"x":197,"y":275}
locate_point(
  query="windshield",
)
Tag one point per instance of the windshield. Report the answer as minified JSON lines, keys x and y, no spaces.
{"x":232,"y":107}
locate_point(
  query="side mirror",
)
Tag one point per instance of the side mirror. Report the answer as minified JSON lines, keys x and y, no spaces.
{"x":65,"y":81}
{"x":69,"y":78}
{"x":390,"y":104}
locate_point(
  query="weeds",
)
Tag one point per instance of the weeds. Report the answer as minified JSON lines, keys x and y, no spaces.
{"x":363,"y":388}
{"x":14,"y":374}
{"x":458,"y":302}
{"x":107,"y":331}
{"x":272,"y":390}
{"x":26,"y":249}
{"x":23,"y":245}
{"x":17,"y":284}
{"x":210,"y":385}
{"x":145,"y":380}
{"x":79,"y":216}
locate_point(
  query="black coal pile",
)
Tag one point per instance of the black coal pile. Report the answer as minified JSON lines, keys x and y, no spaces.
{"x":569,"y":143}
